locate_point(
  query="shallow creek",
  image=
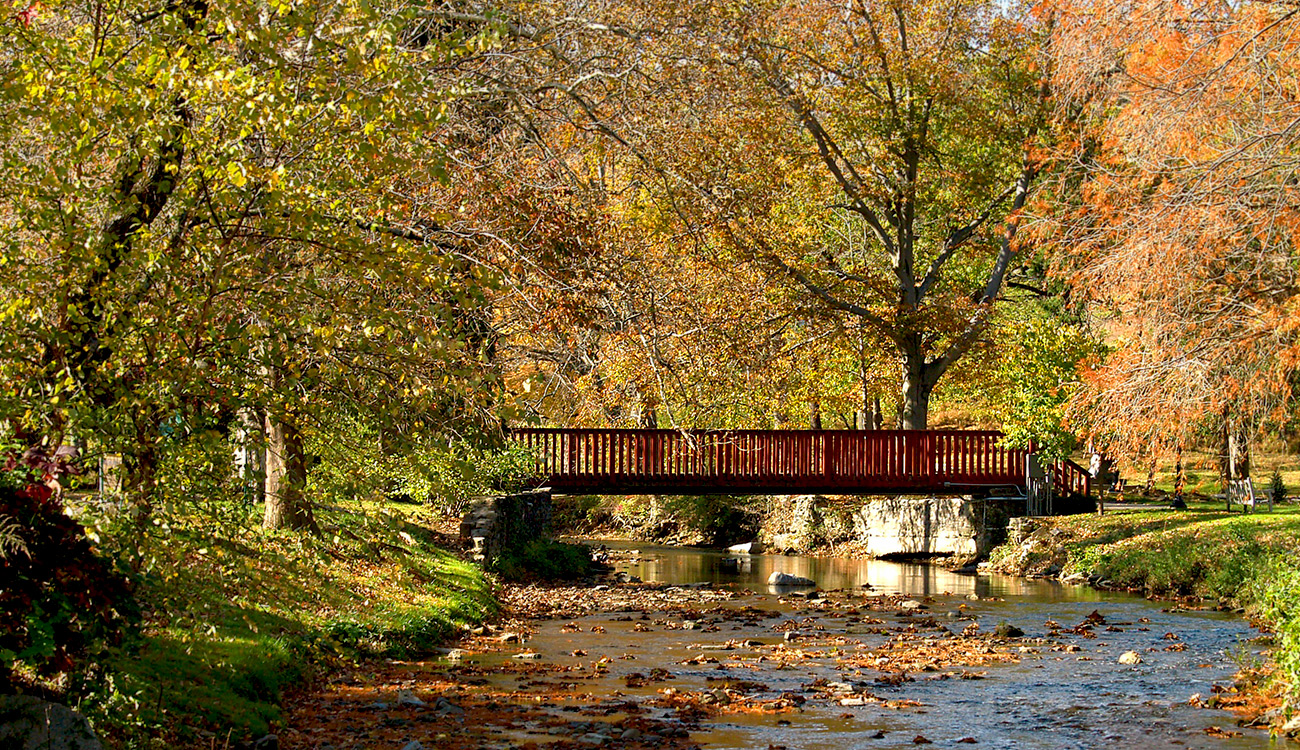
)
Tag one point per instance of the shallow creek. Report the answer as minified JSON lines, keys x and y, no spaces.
{"x":887,"y":656}
{"x":1049,"y":699}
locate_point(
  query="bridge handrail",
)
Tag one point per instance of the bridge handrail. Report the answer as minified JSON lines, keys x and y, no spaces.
{"x":1071,"y":479}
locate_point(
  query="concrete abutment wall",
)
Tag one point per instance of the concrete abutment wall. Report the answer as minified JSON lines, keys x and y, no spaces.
{"x":493,"y":525}
{"x":963,"y":526}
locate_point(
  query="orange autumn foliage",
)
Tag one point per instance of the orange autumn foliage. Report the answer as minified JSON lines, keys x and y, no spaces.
{"x":1176,"y":221}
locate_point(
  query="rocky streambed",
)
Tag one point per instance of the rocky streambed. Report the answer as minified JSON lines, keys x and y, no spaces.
{"x":684,"y":649}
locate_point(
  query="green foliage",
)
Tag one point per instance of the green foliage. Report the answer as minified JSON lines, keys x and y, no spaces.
{"x":60,"y":600}
{"x":578,"y":513}
{"x":358,"y":460}
{"x":636,"y":510}
{"x":722,"y":520}
{"x":208,"y":210}
{"x":1037,"y":372}
{"x":169,"y":678}
{"x":545,"y":560}
{"x":1166,"y":554}
{"x":464,"y":471}
{"x":239,"y":615}
{"x":196,"y":474}
{"x":1277,"y":487}
{"x":1276,"y":594}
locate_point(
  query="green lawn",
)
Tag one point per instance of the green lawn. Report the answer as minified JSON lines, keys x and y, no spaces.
{"x":1202,"y":550}
{"x":1201,"y":470}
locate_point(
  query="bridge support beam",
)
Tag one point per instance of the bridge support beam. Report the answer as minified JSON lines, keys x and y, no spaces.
{"x":922,"y":526}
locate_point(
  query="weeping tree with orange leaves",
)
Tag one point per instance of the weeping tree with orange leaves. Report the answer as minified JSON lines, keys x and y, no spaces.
{"x":1177,"y":222}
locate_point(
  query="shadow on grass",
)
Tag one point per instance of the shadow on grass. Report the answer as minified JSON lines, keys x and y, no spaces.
{"x":231,"y":683}
{"x":236,"y":619}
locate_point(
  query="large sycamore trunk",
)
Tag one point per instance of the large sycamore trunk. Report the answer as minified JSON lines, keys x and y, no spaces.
{"x":916,"y":404}
{"x":286,"y":475}
{"x":919,"y":378}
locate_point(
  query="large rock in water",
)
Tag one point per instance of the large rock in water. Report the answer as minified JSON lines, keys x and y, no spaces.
{"x":29,"y":723}
{"x":785,"y":579}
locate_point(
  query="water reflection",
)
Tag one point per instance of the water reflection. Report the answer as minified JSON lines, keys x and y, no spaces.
{"x":682,"y":565}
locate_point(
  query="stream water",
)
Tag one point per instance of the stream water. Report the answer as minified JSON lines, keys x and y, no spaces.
{"x":1065,"y":690}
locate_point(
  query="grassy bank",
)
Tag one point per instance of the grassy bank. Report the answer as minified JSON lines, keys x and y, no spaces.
{"x":235,"y":616}
{"x":1236,"y":560}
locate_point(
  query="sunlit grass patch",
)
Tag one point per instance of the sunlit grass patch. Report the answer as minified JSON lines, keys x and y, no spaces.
{"x":1198,"y":551}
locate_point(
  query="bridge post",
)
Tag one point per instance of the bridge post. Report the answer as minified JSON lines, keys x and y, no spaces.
{"x":1038,"y":486}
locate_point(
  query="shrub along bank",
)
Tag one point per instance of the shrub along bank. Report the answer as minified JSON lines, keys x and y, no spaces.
{"x":232,"y":616}
{"x":1251,"y":562}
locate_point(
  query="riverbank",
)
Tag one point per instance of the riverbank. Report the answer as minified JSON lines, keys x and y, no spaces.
{"x":1247,"y":564}
{"x":236,"y":618}
{"x":1202,"y":556}
{"x":249,"y":632}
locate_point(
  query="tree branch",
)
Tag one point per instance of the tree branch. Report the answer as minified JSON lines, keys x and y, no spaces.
{"x":956,"y":239}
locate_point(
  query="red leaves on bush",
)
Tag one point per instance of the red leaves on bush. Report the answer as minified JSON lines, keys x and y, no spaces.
{"x":57,"y":596}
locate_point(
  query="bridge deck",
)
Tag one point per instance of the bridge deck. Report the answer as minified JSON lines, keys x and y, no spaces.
{"x":611,"y":461}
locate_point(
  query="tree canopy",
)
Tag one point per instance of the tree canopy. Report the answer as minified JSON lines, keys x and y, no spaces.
{"x":317,"y":222}
{"x":213,"y":208}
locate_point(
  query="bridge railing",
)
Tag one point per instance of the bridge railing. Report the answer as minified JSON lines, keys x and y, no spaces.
{"x":1069,"y":479}
{"x":615,"y":460}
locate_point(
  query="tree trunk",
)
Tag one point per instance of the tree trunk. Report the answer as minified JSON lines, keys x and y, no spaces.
{"x":916,"y":395}
{"x":140,"y":468}
{"x":1225,"y":451}
{"x":871,"y":416}
{"x":864,"y":417}
{"x":1180,"y":480}
{"x":249,"y":455}
{"x":1238,"y":457}
{"x":916,"y":407}
{"x":286,"y":474}
{"x":815,"y":422}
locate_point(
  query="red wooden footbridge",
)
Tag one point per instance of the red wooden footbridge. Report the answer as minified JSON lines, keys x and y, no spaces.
{"x":737,"y":462}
